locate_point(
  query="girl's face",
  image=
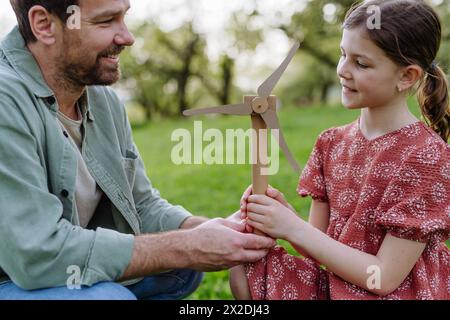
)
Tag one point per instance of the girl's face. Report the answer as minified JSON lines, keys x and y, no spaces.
{"x":368,"y":77}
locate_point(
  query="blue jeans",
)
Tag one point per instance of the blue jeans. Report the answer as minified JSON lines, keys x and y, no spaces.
{"x":172,"y":285}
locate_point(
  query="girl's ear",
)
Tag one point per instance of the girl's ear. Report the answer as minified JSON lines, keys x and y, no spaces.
{"x":409,"y":76}
{"x":42,"y":24}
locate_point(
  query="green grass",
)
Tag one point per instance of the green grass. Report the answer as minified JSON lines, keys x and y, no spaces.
{"x":215,"y":191}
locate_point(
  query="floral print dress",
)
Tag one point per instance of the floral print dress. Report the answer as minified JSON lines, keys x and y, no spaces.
{"x":398,"y":183}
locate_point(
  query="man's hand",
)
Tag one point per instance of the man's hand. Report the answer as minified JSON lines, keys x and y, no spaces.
{"x":220,"y":244}
{"x":236,"y":218}
{"x":214,"y":245}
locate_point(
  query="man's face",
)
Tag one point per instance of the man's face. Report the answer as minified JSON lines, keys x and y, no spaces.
{"x":90,"y":55}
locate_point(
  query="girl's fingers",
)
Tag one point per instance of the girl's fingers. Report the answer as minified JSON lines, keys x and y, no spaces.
{"x":276,"y":194}
{"x":272,"y":192}
{"x":246,"y":194}
{"x":252,"y":216}
{"x":279,"y":196}
{"x":261,"y":199}
{"x":257,"y":208}
{"x":256,"y":225}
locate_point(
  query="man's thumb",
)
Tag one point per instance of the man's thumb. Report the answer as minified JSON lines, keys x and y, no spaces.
{"x":240,"y":227}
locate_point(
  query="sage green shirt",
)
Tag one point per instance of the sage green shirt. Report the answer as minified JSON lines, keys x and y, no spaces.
{"x":40,"y":233}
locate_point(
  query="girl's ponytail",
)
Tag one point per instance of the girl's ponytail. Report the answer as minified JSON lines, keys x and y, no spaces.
{"x":434,"y":101}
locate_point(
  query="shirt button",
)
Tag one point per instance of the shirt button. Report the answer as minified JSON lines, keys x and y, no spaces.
{"x":65,"y":193}
{"x":51,"y":100}
{"x":65,"y":134}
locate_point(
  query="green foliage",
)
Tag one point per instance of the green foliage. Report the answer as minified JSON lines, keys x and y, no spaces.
{"x":168,"y":71}
{"x":159,"y":69}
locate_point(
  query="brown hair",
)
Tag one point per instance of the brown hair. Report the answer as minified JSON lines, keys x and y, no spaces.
{"x":410,"y":33}
{"x":22,"y":7}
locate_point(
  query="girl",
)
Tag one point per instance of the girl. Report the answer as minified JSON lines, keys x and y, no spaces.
{"x":380,"y":213}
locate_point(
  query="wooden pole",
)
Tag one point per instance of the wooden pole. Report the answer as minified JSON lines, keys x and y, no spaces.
{"x":260,"y":148}
{"x":259,"y":153}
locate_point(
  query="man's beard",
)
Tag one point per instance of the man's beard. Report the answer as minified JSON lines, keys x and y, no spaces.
{"x":75,"y":71}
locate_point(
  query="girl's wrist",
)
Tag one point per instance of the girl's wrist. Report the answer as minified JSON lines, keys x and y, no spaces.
{"x":297,"y":229}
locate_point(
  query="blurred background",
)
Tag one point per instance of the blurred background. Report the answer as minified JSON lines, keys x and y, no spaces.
{"x":203,"y":53}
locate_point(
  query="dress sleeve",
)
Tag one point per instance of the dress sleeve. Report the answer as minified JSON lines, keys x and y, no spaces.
{"x":415,"y":205}
{"x":312,"y":179}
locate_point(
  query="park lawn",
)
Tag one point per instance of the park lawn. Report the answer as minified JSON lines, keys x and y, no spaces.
{"x":215,"y":190}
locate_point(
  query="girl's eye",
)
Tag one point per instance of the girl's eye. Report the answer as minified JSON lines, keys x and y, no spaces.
{"x":361,"y":65}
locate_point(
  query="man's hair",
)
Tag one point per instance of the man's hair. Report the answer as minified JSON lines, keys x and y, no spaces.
{"x":55,"y":7}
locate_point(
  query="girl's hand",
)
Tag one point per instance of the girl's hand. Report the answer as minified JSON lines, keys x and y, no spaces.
{"x":271,"y":192}
{"x":272,"y":217}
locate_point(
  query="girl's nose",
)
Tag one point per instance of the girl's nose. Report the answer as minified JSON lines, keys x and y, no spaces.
{"x":343,"y":73}
{"x":342,"y":69}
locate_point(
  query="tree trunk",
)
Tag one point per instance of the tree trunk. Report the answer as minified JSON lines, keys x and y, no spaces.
{"x":183,"y":79}
{"x":227,"y":66}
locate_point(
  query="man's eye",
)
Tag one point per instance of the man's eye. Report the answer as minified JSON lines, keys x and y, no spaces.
{"x":106,"y":21}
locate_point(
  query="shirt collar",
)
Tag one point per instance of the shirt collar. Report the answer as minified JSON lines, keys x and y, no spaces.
{"x":22,"y":61}
{"x":83,"y":103}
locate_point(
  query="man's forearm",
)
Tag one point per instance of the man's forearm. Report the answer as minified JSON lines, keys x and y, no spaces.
{"x":151,"y":254}
{"x":215,"y":245}
{"x":193,"y":222}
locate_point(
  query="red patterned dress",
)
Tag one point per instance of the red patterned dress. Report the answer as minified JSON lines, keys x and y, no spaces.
{"x":398,"y":183}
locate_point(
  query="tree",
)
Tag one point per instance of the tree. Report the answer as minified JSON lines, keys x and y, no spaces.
{"x":159,"y":70}
{"x":317,"y":27}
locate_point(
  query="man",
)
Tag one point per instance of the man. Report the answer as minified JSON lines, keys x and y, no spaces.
{"x":77,"y":208}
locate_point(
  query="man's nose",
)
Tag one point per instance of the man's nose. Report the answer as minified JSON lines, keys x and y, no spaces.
{"x":124,"y":37}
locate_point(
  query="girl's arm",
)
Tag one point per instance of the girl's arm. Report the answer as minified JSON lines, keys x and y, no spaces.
{"x":393,"y":262}
{"x":319,"y":215}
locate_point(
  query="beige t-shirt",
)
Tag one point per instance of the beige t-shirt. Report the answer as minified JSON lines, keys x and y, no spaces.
{"x":87,"y":194}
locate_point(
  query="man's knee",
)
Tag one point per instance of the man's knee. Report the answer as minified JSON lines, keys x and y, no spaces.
{"x":193,"y":279}
{"x":189,"y":281}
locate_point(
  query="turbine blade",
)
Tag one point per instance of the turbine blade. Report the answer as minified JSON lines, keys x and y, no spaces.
{"x":267,"y":87}
{"x":271,"y":119}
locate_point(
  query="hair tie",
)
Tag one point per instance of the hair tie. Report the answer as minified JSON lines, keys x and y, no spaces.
{"x":433,"y":66}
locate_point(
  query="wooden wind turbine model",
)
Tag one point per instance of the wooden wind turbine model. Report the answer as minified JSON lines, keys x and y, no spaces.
{"x":263,"y":112}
